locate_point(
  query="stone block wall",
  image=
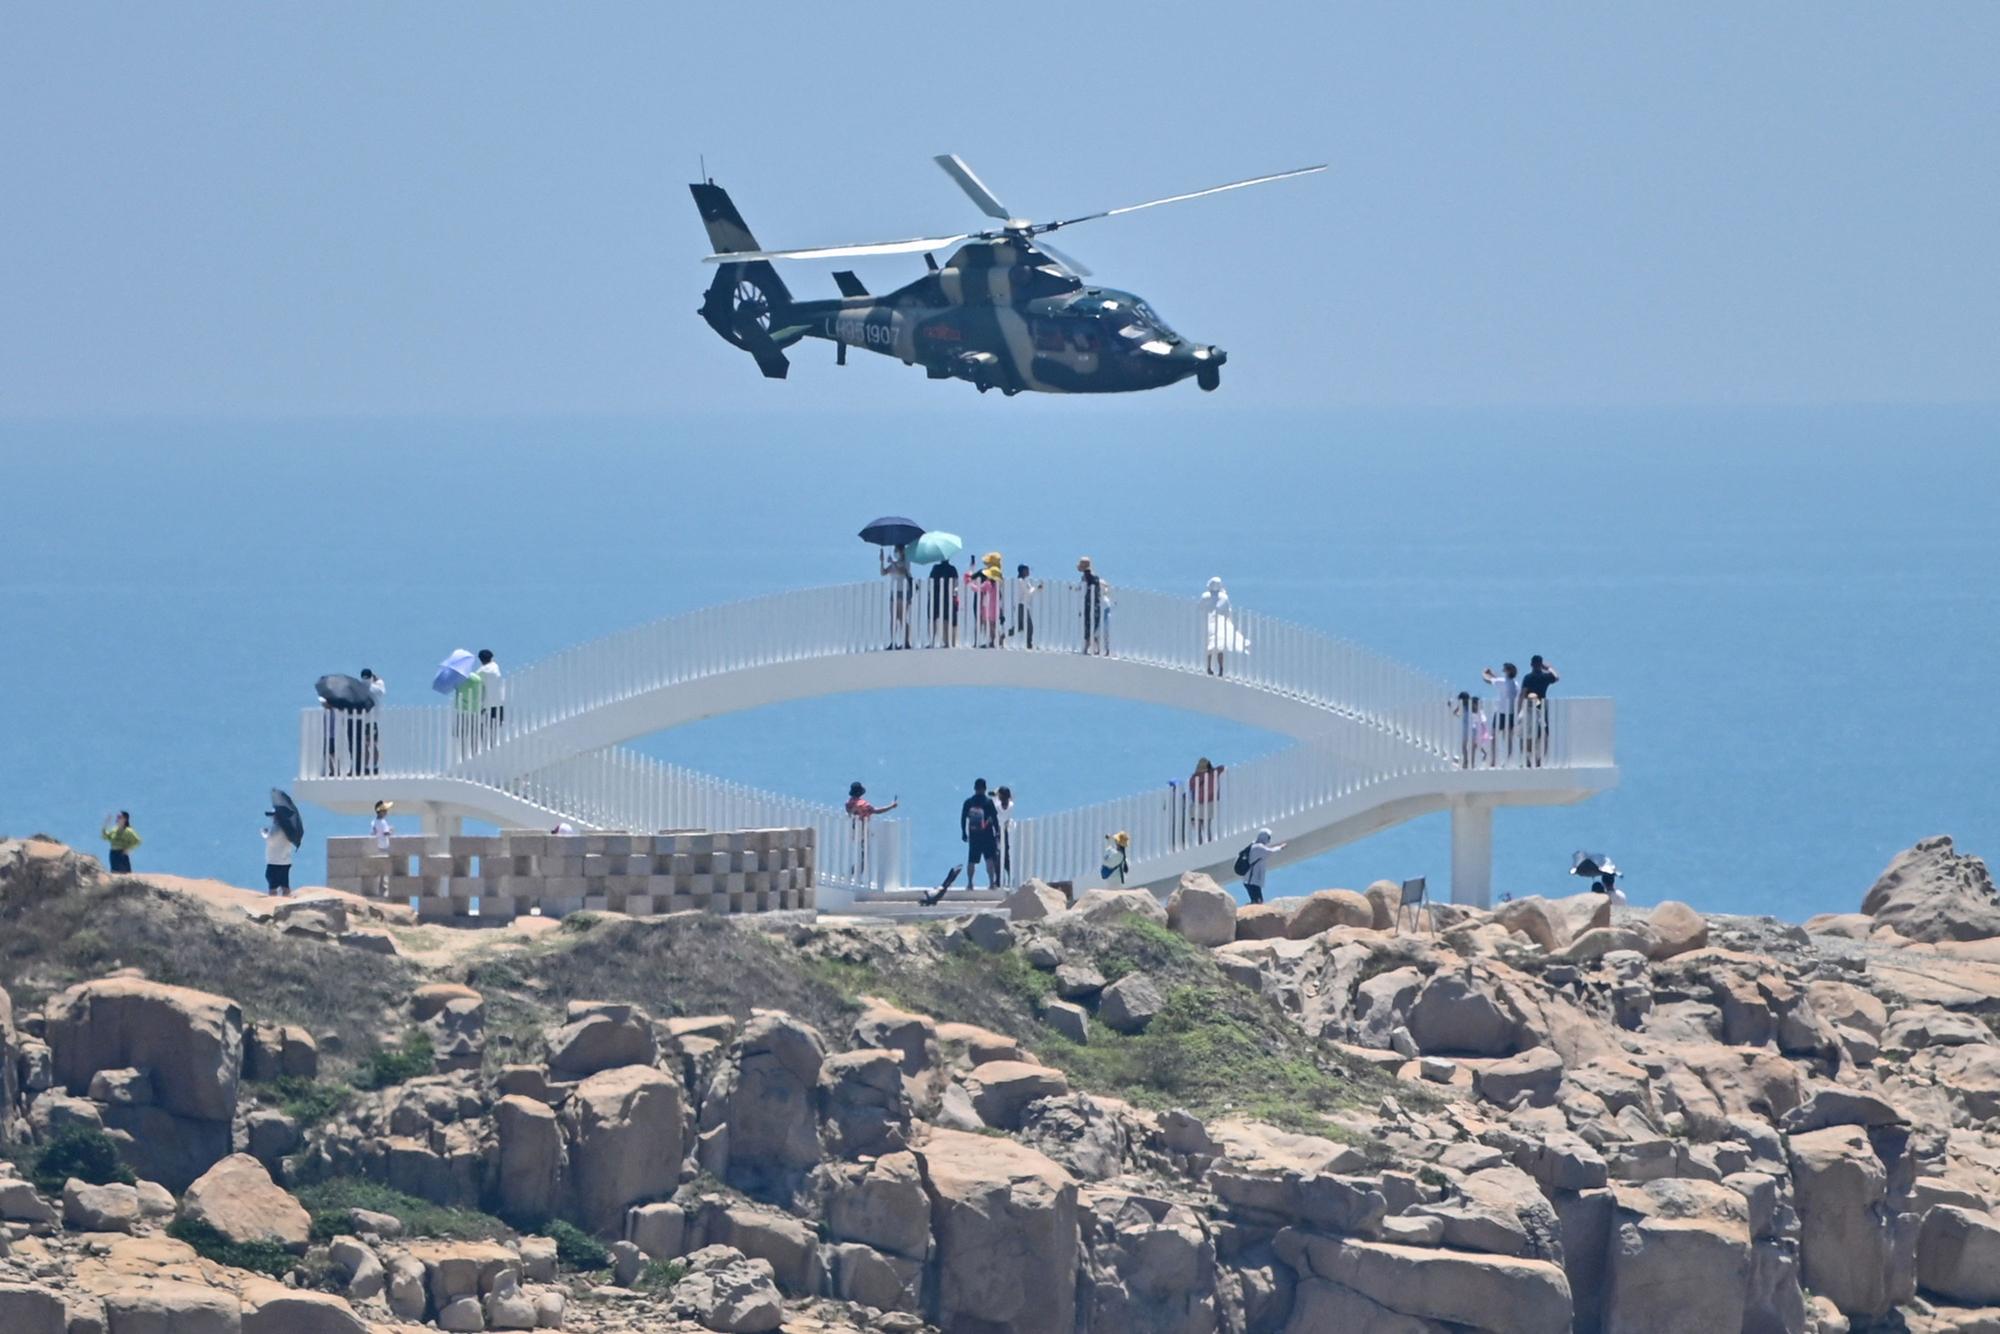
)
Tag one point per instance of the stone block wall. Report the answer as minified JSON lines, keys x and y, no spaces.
{"x":500,"y":876}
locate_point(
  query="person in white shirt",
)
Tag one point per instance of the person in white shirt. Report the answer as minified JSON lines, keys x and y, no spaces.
{"x":371,"y":731}
{"x":1506,"y":703}
{"x":278,"y":851}
{"x":490,"y":697}
{"x":563,"y":829}
{"x":1260,"y":865}
{"x":1025,"y":589}
{"x":382,"y":832}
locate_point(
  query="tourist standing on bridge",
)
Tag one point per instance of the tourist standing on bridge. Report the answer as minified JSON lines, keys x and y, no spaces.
{"x":492,"y":695}
{"x":1024,"y":604}
{"x":944,"y":604}
{"x":1204,"y":789}
{"x":1506,"y":703}
{"x":1093,"y":606}
{"x":122,"y":837}
{"x":1003,"y":801}
{"x":859,"y":812}
{"x":979,"y":827}
{"x":987,"y":594}
{"x":896,"y":569}
{"x":1473,"y":733}
{"x":1222,"y":635}
{"x":1535,"y":709}
{"x":371,"y":731}
{"x":1258,"y":855}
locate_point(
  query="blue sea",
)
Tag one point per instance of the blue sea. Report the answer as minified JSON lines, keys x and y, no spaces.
{"x":1798,"y":611}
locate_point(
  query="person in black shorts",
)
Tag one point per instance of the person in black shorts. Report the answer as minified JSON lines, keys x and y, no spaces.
{"x":1534,"y":709}
{"x":979,"y":826}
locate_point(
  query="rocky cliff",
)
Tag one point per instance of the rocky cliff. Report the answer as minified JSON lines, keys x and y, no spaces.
{"x":1104,"y":1116}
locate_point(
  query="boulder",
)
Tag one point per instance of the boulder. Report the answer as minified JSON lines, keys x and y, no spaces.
{"x":528,"y":1165}
{"x":1958,"y":1255}
{"x":912,"y":1037}
{"x":279,"y":1051}
{"x":737,"y":1297}
{"x":1002,"y":1090}
{"x":1068,"y":1020}
{"x":88,"y":1208}
{"x":658,"y":1230}
{"x":272,"y":1308}
{"x":1553,"y":923}
{"x":1327,"y":909}
{"x":886,"y":1282}
{"x":970,"y":1044}
{"x":624,"y":1132}
{"x":1111,"y":905}
{"x":1856,"y":1246}
{"x":1537,"y":1072}
{"x":882,"y":1205}
{"x":1495,"y":1293}
{"x":20,"y":1204}
{"x":767,"y":1095}
{"x":1078,"y":981}
{"x":1131,"y":1003}
{"x":1382,"y":1003}
{"x":1033,"y":901}
{"x":360,"y":1269}
{"x":191,"y":1041}
{"x":237,"y":1198}
{"x":1202,"y":911}
{"x":1677,"y":929}
{"x":1933,"y":893}
{"x":1679,"y":1259}
{"x":863,"y":1107}
{"x":1005,"y":1222}
{"x":26,"y":1310}
{"x":1265,"y":921}
{"x":1462,"y":1015}
{"x":160,"y":1146}
{"x":601,"y":1036}
{"x":10,"y":1064}
{"x":1594,"y":944}
{"x":1385,"y":897}
{"x":173,"y":1308}
{"x":989,"y":931}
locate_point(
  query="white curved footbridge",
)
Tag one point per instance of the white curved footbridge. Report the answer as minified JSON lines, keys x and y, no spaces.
{"x":1378,"y":742}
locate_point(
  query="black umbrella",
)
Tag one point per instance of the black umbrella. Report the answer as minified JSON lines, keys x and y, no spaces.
{"x":345,"y":692}
{"x":286,"y":812}
{"x":893,"y":531}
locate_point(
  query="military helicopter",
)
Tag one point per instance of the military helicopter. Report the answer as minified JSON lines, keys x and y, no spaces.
{"x":1006,"y":311}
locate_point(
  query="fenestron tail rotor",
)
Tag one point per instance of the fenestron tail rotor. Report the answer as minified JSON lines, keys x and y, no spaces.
{"x":989,"y":204}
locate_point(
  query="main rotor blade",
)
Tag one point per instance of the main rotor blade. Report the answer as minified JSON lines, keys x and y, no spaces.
{"x":909,"y":247}
{"x":954,"y":167}
{"x":1175,"y":199}
{"x":1071,"y":266}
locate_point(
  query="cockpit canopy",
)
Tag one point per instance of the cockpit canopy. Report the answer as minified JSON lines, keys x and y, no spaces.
{"x":1125,"y":316}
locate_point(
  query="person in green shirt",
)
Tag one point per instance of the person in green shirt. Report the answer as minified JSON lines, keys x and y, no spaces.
{"x":465,"y":700}
{"x":122,"y":838}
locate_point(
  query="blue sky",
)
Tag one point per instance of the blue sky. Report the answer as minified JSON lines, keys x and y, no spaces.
{"x":373,"y":209}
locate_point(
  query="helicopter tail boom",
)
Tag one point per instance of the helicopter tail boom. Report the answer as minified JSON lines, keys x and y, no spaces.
{"x":747,"y":303}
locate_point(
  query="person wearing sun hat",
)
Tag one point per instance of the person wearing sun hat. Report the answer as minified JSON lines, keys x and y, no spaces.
{"x":986,"y":595}
{"x":1115,"y":856}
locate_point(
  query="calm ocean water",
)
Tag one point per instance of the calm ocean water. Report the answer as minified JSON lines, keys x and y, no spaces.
{"x":1796,"y":610}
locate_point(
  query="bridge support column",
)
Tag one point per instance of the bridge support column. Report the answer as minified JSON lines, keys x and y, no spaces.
{"x":1472,"y":853}
{"x":439,"y":825}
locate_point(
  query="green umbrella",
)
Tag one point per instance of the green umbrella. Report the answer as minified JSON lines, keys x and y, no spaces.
{"x":934,"y":547}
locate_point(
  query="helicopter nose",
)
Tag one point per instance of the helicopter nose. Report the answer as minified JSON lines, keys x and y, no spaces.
{"x":1210,"y":356}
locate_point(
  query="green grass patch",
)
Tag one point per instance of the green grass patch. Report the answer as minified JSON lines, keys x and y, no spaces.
{"x":577,"y":1249}
{"x":82,"y":1152}
{"x":307,"y":1101}
{"x":396,"y":1065}
{"x":266,"y":1257}
{"x":851,"y":981}
{"x":660,"y":1275}
{"x":1203,"y":1053}
{"x":332,"y":1203}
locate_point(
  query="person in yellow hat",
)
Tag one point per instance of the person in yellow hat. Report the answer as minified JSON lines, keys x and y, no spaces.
{"x":1116,"y":858}
{"x":986,"y":595}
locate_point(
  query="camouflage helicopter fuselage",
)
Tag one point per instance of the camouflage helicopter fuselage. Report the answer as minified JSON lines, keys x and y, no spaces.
{"x":999,"y":314}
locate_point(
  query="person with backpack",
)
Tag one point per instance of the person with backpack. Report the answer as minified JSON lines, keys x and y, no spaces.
{"x":1117,"y":859}
{"x":979,"y":827}
{"x":1253,"y":863}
